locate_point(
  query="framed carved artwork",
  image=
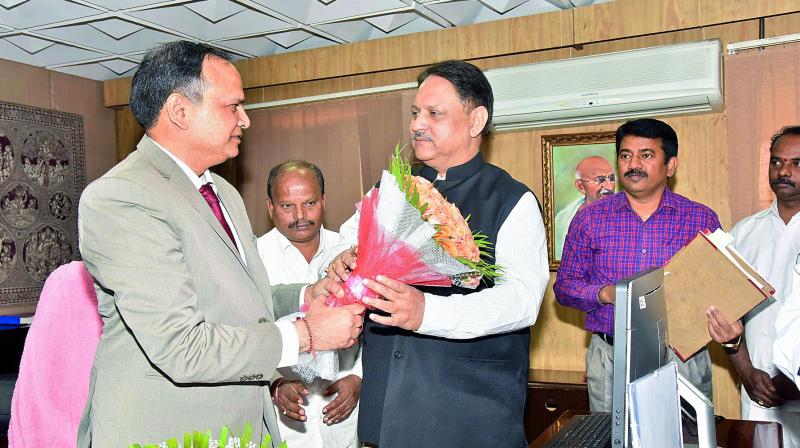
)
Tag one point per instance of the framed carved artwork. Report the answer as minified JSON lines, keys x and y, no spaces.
{"x":42,"y":174}
{"x":564,"y":187}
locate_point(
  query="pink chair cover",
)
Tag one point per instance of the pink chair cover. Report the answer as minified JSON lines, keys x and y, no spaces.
{"x":53,"y":381}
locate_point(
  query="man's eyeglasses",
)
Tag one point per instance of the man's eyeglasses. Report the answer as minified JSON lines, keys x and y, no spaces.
{"x":599,"y":180}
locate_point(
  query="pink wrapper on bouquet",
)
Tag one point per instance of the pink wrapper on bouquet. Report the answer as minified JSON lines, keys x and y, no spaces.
{"x":394,"y":241}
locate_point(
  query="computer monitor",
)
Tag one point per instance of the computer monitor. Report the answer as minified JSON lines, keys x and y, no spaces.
{"x":641,"y":348}
{"x":640,"y":341}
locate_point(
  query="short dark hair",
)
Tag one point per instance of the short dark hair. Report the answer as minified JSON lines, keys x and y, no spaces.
{"x":653,"y":129}
{"x":169,"y":67}
{"x":469,"y":81}
{"x":786,"y":130}
{"x":294,"y":165}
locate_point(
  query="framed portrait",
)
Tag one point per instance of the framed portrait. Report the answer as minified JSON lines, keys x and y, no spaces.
{"x":565,"y":189}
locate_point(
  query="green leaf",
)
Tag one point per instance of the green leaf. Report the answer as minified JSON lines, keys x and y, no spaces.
{"x":223,"y":436}
{"x":267,"y":442}
{"x":247,"y":434}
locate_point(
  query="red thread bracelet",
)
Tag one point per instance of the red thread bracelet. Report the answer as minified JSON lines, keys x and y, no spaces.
{"x":310,"y":337}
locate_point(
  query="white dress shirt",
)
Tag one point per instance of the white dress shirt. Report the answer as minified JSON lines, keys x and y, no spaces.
{"x":561,"y":224}
{"x":786,"y":349}
{"x":516,"y":297}
{"x":772,"y":248}
{"x":285,"y":264}
{"x":290,"y":340}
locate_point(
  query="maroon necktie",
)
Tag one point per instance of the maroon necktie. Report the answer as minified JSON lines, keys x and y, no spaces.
{"x":213,"y":202}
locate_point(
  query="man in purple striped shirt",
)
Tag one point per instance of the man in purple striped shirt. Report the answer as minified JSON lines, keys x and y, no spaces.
{"x":641,"y":227}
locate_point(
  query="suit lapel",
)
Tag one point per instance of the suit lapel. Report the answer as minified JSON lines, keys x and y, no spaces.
{"x":242,"y":224}
{"x":181,"y":183}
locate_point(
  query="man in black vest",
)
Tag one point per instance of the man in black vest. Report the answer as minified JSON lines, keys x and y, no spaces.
{"x":447,"y":367}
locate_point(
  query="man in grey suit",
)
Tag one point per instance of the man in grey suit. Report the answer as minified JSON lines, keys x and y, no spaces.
{"x":189,"y":340}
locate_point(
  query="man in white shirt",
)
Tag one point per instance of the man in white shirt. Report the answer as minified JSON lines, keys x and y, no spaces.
{"x":292,"y":253}
{"x":594,"y":179}
{"x":770,"y":241}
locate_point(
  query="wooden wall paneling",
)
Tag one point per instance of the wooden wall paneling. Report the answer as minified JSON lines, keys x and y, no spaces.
{"x":298,"y":90}
{"x":782,"y":25}
{"x":606,"y":21}
{"x":117,"y":92}
{"x":25,"y":84}
{"x":558,"y":339}
{"x":325,"y":134}
{"x":516,"y":35}
{"x":626,"y":18}
{"x":703,"y":176}
{"x":297,"y":66}
{"x":384,"y":78}
{"x":521,"y":58}
{"x":652,"y":40}
{"x":734,"y":10}
{"x":732,"y":32}
{"x":383,"y":123}
{"x":128,"y":132}
{"x":85,"y":97}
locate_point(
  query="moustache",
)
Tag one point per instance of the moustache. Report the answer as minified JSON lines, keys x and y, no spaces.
{"x":301,"y":223}
{"x":635,"y":172}
{"x":782,"y":181}
{"x":606,"y":192}
{"x":419,"y":135}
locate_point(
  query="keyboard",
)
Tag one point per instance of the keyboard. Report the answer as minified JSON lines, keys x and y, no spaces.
{"x":584,"y":431}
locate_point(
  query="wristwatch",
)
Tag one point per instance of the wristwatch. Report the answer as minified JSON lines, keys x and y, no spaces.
{"x":732,"y":346}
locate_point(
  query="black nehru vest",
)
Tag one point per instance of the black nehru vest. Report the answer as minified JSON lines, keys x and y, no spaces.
{"x":422,"y":391}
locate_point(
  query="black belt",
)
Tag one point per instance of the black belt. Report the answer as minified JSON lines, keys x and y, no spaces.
{"x":606,"y":338}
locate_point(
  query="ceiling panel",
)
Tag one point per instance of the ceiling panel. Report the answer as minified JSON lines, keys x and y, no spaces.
{"x":104,"y":39}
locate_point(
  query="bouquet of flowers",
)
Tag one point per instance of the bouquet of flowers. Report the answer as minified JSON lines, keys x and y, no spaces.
{"x":409,"y":232}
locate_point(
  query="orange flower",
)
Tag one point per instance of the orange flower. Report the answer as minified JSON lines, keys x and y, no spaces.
{"x":453,"y":231}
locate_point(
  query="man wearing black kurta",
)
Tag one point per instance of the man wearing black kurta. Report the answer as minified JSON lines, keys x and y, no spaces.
{"x":447,"y":367}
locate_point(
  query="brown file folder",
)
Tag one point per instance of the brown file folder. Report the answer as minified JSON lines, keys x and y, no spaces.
{"x":698,"y":276}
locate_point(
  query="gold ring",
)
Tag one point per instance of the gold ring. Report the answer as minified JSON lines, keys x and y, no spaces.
{"x":761,"y":403}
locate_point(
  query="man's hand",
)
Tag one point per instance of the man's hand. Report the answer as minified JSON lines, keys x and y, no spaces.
{"x":289,"y":396}
{"x":342,"y":265}
{"x":347,"y":390}
{"x":331,"y":328}
{"x":404,"y":304}
{"x":759,"y":387}
{"x":607,"y":294}
{"x":785,"y":387}
{"x":720,"y":329}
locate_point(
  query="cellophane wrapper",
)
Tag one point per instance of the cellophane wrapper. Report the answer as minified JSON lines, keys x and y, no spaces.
{"x":393,"y":241}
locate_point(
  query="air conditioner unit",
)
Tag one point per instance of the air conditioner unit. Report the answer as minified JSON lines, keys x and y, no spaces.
{"x":669,"y":79}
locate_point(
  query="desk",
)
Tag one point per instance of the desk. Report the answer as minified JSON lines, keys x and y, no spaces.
{"x":730,"y":433}
{"x":551,"y":393}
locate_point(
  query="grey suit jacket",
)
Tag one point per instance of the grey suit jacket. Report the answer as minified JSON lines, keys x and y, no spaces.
{"x":188,"y":338}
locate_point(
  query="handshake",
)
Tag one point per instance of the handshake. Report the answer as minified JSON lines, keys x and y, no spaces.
{"x":325,"y":327}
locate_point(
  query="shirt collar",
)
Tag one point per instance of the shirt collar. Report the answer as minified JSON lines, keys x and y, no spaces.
{"x":197,"y":181}
{"x":773,"y":210}
{"x":286,"y":244}
{"x":456,"y":172}
{"x":668,"y":200}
